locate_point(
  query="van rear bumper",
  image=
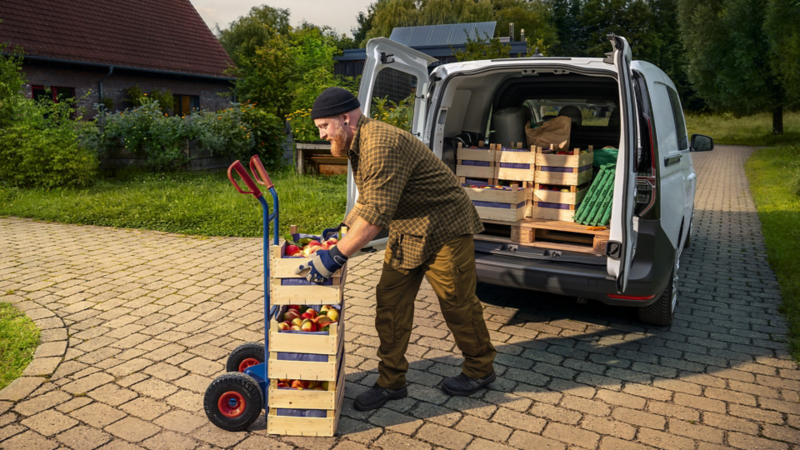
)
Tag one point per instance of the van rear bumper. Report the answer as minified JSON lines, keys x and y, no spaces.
{"x":570,"y":276}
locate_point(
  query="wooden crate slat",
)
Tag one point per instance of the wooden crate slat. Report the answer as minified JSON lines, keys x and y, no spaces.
{"x":306,"y":426}
{"x":303,"y":398}
{"x":309,"y":343}
{"x":306,"y":370}
{"x":569,"y":198}
{"x":502,"y":214}
{"x":563,"y":179}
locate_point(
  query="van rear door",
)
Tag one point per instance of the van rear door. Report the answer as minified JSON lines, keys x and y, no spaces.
{"x":392,"y":72}
{"x":622,"y":244}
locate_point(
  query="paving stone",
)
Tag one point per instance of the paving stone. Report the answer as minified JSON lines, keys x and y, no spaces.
{"x":217,"y":436}
{"x":396,"y":422}
{"x":42,"y":366}
{"x":83,"y":438}
{"x":42,"y":402}
{"x":395,"y":441}
{"x":20,"y":388}
{"x":49,"y":422}
{"x":112,"y":394}
{"x":263,"y":442}
{"x":145,"y":408}
{"x":168,"y":440}
{"x":444,"y":437}
{"x":528,"y":441}
{"x":88,"y":383}
{"x":97,"y":414}
{"x":181,"y":421}
{"x":29,"y":440}
{"x":132,"y":429}
{"x":154,"y":388}
{"x":485,"y":429}
{"x":747,"y":442}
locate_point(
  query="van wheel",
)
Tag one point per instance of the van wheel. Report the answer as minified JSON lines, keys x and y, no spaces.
{"x":663,"y":310}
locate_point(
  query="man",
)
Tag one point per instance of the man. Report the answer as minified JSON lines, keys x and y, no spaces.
{"x":404,"y":187}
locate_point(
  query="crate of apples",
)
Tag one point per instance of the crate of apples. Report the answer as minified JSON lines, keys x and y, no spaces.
{"x":307,"y":247}
{"x":303,"y":384}
{"x":303,"y":318}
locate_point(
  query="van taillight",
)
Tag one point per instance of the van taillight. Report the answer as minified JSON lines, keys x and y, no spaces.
{"x":646,"y":182}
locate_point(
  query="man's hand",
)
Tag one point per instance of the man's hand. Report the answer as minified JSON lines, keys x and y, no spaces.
{"x":321,"y":268}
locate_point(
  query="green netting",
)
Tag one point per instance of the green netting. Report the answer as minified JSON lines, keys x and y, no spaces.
{"x":595,"y":210}
{"x":603,"y":156}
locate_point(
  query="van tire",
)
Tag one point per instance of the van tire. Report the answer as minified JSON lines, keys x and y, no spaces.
{"x":662,"y":311}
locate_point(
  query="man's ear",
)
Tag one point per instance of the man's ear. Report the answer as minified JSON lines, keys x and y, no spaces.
{"x":346,"y":118}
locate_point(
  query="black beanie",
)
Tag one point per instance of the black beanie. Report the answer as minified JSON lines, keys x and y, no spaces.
{"x":334,"y":101}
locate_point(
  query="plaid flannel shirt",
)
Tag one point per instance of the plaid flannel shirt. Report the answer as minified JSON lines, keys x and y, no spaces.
{"x":404,"y":187}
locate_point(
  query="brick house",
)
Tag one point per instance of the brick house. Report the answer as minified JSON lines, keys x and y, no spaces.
{"x":103,"y":48}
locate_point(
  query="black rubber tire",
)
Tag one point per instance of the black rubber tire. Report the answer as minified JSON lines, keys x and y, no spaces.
{"x":662,"y":312}
{"x":234,"y":383}
{"x":249,"y":350}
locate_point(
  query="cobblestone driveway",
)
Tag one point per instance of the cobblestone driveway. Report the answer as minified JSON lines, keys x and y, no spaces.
{"x":136,"y":324}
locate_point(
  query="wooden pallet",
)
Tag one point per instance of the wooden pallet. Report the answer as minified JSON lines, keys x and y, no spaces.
{"x":549,"y":234}
{"x":306,"y":426}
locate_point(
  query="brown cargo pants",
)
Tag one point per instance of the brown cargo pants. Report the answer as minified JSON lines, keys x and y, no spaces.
{"x":451,"y":273}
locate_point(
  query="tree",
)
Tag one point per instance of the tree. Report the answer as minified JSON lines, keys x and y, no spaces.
{"x":247,"y":33}
{"x":729,"y":56}
{"x":487,"y":48}
{"x":780,"y":25}
{"x":265,"y":78}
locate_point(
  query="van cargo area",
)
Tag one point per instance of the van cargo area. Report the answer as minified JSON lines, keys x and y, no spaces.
{"x":495,"y":108}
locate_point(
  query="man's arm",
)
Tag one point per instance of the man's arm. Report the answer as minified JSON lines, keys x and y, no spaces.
{"x":359,"y":235}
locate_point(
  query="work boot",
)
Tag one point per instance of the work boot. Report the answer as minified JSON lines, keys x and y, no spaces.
{"x":377,"y":396}
{"x":463,"y":385}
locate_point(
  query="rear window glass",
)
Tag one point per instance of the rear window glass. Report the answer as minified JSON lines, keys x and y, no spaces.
{"x":591,"y":114}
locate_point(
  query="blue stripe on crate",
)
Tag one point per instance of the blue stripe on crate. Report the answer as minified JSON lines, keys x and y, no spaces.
{"x":564,"y":169}
{"x":302,"y":282}
{"x":302,"y":412}
{"x":553,"y":205}
{"x":496,"y":204}
{"x":467,"y":162}
{"x":307,"y":357}
{"x":504,"y":149}
{"x":515,"y":166}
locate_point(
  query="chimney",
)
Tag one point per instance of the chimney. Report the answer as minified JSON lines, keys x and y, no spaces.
{"x":511,"y":31}
{"x":522,"y":34}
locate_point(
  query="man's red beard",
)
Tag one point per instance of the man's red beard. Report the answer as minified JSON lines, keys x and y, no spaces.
{"x":340,"y":145}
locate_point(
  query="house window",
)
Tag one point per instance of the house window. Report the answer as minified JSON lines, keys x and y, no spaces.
{"x":54,"y":94}
{"x":184,"y":104}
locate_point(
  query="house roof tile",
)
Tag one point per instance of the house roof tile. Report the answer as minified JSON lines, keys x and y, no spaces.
{"x":164,"y":35}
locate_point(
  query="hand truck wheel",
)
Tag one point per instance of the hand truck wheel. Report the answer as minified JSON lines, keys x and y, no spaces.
{"x":233,"y":401}
{"x":244,"y":356}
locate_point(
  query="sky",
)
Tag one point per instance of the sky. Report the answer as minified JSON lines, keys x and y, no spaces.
{"x":340,"y":15}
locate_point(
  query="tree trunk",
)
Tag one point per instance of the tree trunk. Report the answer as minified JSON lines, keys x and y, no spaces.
{"x":777,"y":120}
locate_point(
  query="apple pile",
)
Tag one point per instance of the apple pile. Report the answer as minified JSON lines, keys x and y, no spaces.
{"x":303,"y":384}
{"x":553,"y":188}
{"x":487,"y":186}
{"x":303,"y":318}
{"x":306,"y":247}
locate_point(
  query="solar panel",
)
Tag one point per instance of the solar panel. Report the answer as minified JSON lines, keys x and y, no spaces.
{"x":460,"y":33}
{"x":419,"y":36}
{"x":440,"y":35}
{"x":401,"y":34}
{"x":447,"y":34}
{"x":482,"y":29}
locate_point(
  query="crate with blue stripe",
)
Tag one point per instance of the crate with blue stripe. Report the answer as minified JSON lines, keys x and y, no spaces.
{"x":570,"y":173}
{"x":288,"y":288}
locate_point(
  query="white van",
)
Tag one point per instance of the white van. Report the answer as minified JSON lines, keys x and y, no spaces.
{"x":638,"y":111}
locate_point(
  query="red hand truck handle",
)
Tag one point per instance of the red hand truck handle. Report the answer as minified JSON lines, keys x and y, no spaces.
{"x":259,"y":173}
{"x":239,"y":168}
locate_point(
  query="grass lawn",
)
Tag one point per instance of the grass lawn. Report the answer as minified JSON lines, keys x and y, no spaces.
{"x":752,"y":130}
{"x":191,"y":203}
{"x":18,"y":340}
{"x":774,"y":175}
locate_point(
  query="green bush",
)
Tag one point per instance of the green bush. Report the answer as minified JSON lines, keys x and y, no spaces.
{"x":40,"y":148}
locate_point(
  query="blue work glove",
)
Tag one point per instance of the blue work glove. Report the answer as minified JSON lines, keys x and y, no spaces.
{"x":321,"y":268}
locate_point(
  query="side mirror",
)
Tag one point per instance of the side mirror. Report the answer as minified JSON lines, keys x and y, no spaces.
{"x":702,"y":143}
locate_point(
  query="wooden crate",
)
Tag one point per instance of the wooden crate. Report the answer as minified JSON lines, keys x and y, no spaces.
{"x":327,"y":370}
{"x":511,"y":205}
{"x":553,"y":211}
{"x":281,"y":341}
{"x":505,"y":157}
{"x":303,"y":398}
{"x":301,"y":292}
{"x":307,"y":426}
{"x":564,"y":170}
{"x":548,"y":234}
{"x":479,"y":156}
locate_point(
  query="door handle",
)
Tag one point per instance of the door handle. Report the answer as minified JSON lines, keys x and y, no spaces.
{"x":670,"y":160}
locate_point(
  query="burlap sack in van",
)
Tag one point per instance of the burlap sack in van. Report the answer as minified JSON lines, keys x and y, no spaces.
{"x":554,"y":132}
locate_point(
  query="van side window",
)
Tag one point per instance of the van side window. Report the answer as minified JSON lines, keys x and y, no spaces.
{"x":677,"y":114}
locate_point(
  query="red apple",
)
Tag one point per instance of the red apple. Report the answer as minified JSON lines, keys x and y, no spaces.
{"x":332,"y":240}
{"x":321,"y":321}
{"x":297,"y":307}
{"x":299,"y":384}
{"x":297,"y":321}
{"x":291,"y":249}
{"x":308,"y":325}
{"x":290,"y":315}
{"x":296,"y":328}
{"x":314,"y":242}
{"x":333,"y":314}
{"x":285,"y":326}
